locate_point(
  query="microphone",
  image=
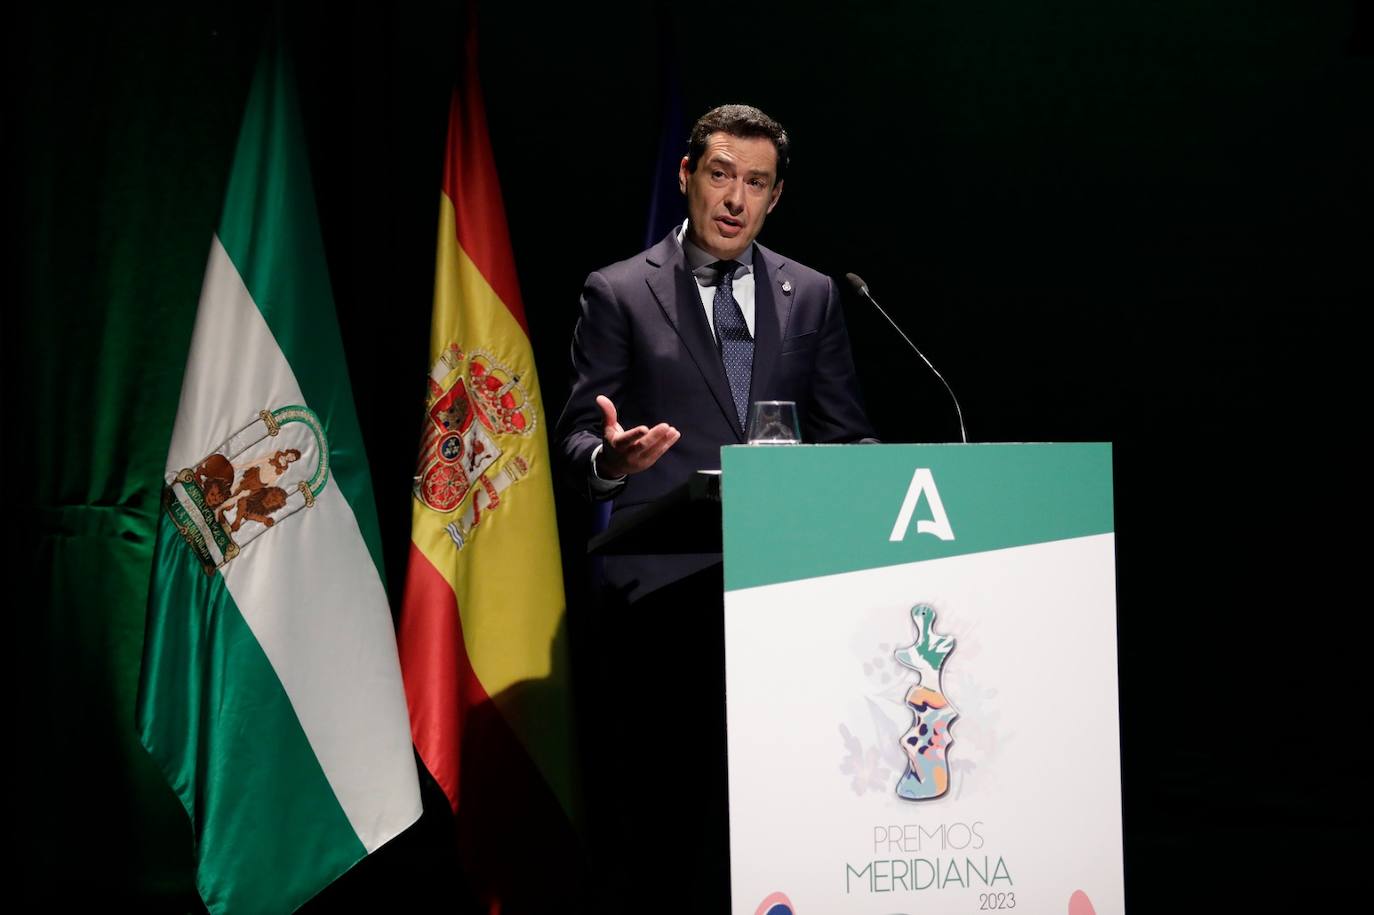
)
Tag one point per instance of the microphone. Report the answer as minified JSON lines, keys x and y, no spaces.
{"x":862,"y":289}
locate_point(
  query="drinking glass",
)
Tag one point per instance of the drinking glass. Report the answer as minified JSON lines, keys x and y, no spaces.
{"x":774,"y":422}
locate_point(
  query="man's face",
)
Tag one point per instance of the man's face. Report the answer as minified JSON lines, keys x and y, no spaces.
{"x":733,"y":189}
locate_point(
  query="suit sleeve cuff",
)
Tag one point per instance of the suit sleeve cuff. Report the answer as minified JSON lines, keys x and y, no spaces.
{"x":602,"y":487}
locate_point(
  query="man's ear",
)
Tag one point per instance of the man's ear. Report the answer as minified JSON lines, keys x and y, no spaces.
{"x":682,"y":174}
{"x":773,"y":200}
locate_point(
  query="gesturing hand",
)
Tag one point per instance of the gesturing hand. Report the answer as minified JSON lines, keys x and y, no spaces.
{"x":624,"y":452}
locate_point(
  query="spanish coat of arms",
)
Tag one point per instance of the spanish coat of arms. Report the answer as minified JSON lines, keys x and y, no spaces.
{"x":474,"y":403}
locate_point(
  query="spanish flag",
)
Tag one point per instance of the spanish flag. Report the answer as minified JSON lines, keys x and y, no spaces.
{"x":482,"y":632}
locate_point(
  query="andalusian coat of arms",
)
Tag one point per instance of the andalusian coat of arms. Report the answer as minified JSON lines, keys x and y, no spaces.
{"x":267,"y":471}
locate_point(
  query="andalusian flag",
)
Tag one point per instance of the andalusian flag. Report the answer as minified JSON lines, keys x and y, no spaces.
{"x":271,"y":692}
{"x":483,"y":647}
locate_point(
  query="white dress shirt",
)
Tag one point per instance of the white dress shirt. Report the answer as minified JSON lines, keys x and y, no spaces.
{"x":743,"y":287}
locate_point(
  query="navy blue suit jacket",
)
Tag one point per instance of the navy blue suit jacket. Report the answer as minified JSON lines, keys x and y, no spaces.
{"x":643,"y":340}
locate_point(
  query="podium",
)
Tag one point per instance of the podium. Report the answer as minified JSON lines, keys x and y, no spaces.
{"x":921,"y":674}
{"x":686,"y":520}
{"x":921,"y":679}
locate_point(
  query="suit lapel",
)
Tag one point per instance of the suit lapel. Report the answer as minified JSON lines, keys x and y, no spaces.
{"x":772,"y":307}
{"x":676,"y":291}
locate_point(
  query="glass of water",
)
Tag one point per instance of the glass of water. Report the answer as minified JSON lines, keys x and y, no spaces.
{"x":774,"y":422}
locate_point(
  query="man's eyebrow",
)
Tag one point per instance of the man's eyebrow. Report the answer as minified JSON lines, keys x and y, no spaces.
{"x":725,"y":162}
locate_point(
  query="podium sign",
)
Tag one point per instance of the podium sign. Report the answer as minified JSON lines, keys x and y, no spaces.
{"x":921,"y":679}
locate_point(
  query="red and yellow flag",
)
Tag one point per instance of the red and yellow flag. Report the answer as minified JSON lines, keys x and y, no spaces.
{"x":482,"y":639}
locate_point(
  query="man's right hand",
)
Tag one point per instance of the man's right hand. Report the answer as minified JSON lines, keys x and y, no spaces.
{"x":624,"y":452}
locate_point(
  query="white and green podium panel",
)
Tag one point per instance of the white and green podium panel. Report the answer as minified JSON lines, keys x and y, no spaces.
{"x":921,"y":679}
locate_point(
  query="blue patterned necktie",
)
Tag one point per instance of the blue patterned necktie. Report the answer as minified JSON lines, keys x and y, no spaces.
{"x":733,"y":338}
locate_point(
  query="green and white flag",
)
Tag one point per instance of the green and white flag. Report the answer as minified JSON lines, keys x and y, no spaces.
{"x":270,"y":693}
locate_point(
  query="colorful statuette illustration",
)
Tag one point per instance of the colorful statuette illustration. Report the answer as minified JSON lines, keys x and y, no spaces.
{"x":927,"y":742}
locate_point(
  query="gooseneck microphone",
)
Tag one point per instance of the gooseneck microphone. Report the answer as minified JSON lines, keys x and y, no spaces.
{"x":862,"y":289}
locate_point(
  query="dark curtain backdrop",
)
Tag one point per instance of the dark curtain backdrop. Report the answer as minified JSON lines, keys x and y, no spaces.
{"x":1140,"y":222}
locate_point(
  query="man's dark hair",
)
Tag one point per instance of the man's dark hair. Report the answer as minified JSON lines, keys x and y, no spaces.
{"x":738,"y":121}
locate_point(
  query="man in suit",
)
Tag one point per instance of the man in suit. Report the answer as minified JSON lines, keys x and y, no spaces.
{"x":675,"y":343}
{"x":671,"y":348}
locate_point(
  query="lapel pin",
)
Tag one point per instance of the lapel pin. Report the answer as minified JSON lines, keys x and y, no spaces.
{"x":786,"y":287}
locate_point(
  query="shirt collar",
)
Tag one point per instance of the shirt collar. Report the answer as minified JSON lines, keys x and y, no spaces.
{"x":700,"y":261}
